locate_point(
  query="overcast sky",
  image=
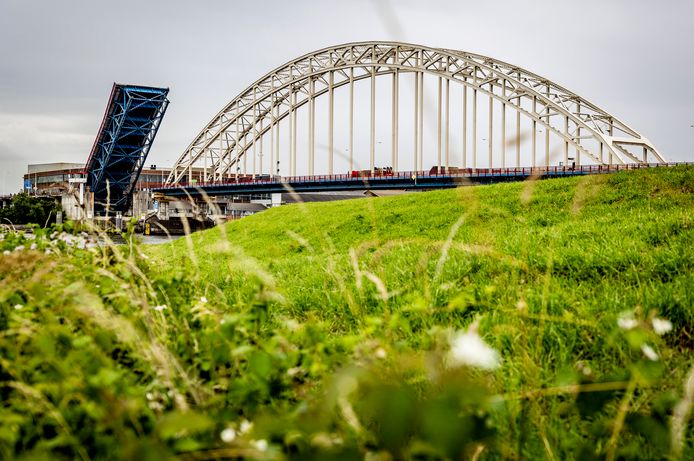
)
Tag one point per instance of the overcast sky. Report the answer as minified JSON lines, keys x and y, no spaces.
{"x":58,"y":59}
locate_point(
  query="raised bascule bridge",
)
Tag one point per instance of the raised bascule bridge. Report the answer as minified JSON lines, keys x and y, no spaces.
{"x":133,"y":116}
{"x":386,"y":115}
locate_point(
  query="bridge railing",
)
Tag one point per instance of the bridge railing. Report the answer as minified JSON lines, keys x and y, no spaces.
{"x":440,"y":173}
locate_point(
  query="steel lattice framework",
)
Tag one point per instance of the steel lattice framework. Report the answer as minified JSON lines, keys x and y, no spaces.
{"x":229,"y":139}
{"x":131,"y":121}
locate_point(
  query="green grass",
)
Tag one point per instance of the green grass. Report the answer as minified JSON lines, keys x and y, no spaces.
{"x":328,"y":326}
{"x":589,"y":247}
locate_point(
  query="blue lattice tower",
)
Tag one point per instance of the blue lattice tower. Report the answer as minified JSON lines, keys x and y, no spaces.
{"x":127,"y":132}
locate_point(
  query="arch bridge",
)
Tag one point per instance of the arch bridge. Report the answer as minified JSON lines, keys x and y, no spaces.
{"x":386,"y":109}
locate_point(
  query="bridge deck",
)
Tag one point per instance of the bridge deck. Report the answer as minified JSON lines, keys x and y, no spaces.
{"x":420,"y":180}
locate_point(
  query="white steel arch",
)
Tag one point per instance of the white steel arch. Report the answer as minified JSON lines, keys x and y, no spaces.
{"x":228,"y":138}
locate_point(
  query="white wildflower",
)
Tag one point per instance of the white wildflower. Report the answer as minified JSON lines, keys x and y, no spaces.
{"x":584,"y":368}
{"x":245,"y":426}
{"x":18,"y":306}
{"x":149,"y":396}
{"x":33,"y":246}
{"x":47,"y":251}
{"x":626,"y":321}
{"x":155,"y":406}
{"x":203,"y":299}
{"x":661,"y":326}
{"x":160,"y":308}
{"x":6,"y":252}
{"x":19,"y":248}
{"x":322,"y":440}
{"x":381,"y":353}
{"x":294,"y":371}
{"x":227,"y":435}
{"x":260,"y":444}
{"x":469,"y":349}
{"x":649,"y":352}
{"x":292,"y":325}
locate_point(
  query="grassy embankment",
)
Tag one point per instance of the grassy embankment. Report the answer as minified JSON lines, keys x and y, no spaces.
{"x":329,"y":327}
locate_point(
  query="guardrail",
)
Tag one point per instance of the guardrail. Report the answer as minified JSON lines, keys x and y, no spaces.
{"x":364,"y":176}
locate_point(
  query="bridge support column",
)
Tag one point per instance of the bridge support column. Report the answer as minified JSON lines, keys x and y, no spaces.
{"x":272,"y":134}
{"x":276,"y":159}
{"x":578,"y":134}
{"x":464,"y":126}
{"x":566,"y":141}
{"x":351,"y":119}
{"x":395,"y":115}
{"x":547,"y":153}
{"x":421,"y":120}
{"x":311,"y":126}
{"x":491,"y":132}
{"x":610,"y":131}
{"x":331,"y":116}
{"x":547,"y":147}
{"x":372,"y":138}
{"x":244,"y":150}
{"x":238,"y":142}
{"x":293,"y":136}
{"x":518,"y":128}
{"x":534,"y":134}
{"x":503,"y":126}
{"x":255,"y":132}
{"x":448,"y":124}
{"x":204,"y":160}
{"x":292,"y":122}
{"x":416,"y":122}
{"x":518,"y":138}
{"x":260,"y":148}
{"x":438,"y":128}
{"x":474,"y":128}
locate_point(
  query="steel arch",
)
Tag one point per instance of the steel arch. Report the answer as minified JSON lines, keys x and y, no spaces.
{"x":224,"y":142}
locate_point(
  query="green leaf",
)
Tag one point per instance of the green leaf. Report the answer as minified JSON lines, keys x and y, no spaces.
{"x":180,"y":424}
{"x":260,"y":364}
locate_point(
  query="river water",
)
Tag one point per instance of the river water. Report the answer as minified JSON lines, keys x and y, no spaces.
{"x":158,"y":239}
{"x":145,"y":239}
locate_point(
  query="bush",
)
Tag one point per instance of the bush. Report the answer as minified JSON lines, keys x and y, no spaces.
{"x":27,"y":209}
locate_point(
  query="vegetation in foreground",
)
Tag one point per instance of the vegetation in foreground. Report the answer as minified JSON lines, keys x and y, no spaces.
{"x":547,"y":319}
